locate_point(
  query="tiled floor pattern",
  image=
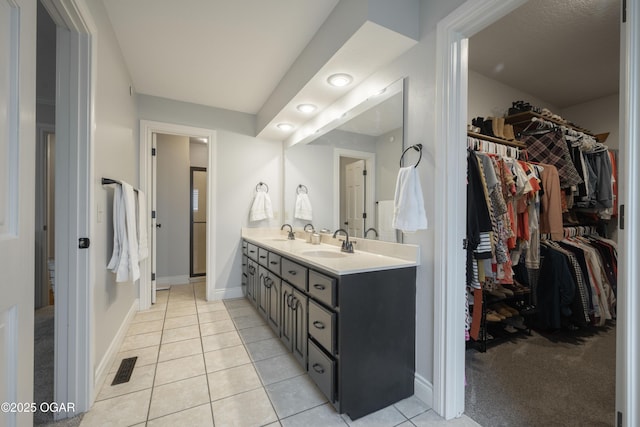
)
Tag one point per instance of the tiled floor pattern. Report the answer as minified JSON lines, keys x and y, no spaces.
{"x":217,"y":363}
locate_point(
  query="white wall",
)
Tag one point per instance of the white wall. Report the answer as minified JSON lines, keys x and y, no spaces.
{"x":490,"y":98}
{"x":172,"y":190}
{"x":599,"y":116}
{"x":198,"y":154}
{"x":115,"y":156}
{"x":388,"y":149}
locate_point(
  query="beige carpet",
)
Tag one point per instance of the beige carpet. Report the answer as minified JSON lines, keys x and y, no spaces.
{"x":560,"y":379}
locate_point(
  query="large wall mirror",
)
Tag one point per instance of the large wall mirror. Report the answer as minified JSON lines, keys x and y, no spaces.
{"x":349,"y":169}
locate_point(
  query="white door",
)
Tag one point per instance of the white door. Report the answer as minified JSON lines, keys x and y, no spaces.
{"x":154,"y":220}
{"x":355,"y":198}
{"x":17,"y":200}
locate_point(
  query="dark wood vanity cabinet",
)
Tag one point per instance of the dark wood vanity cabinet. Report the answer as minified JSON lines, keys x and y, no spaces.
{"x":353,"y":333}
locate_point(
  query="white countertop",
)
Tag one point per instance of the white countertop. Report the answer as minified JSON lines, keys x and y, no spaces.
{"x":369,"y":255}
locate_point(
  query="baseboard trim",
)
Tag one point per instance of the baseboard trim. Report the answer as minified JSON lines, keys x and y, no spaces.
{"x":228,"y":293}
{"x":423,"y":390}
{"x":173,"y":280}
{"x":107,"y":361}
{"x":197,"y":279}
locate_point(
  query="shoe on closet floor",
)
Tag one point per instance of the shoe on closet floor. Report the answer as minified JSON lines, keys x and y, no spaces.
{"x":493,"y":316}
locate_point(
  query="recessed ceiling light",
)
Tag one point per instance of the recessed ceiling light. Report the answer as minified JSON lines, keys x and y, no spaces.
{"x":285,"y":126}
{"x":340,"y":79}
{"x":306,"y":108}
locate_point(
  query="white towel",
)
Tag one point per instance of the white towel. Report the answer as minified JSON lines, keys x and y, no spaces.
{"x":143,"y":241}
{"x":120,"y":243}
{"x":408,"y":211}
{"x":261,"y":207}
{"x":132,"y":232}
{"x":303,"y":208}
{"x":386,"y":232}
{"x":124,"y":259}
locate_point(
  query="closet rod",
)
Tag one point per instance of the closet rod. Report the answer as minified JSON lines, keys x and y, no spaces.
{"x":109,"y":181}
{"x":515,"y":144}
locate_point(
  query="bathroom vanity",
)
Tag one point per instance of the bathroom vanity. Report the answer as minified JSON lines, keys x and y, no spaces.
{"x":349,"y":319}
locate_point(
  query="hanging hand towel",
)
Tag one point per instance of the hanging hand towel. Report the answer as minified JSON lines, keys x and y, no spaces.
{"x":303,"y":207}
{"x":261,"y":207}
{"x":143,"y":244}
{"x":386,"y":231}
{"x":120,"y":243}
{"x":408,"y":211}
{"x":132,"y":234}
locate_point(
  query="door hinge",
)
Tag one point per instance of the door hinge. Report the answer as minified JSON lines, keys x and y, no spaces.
{"x":153,"y":214}
{"x":624,"y":11}
{"x":84,"y":242}
{"x":153,"y":151}
{"x":364,"y":215}
{"x":153,"y":276}
{"x":621,"y":217}
{"x":465,"y":244}
{"x":619,"y":424}
{"x":364,"y":172}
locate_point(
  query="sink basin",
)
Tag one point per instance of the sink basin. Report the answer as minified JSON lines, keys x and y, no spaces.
{"x":324,"y":254}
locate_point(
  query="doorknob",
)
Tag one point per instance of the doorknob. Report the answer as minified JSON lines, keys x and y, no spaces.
{"x":158,"y":225}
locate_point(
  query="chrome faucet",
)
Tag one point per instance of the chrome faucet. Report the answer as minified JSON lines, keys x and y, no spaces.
{"x":310,"y":226}
{"x":347,"y":246}
{"x":290,"y":236}
{"x":370,"y":229}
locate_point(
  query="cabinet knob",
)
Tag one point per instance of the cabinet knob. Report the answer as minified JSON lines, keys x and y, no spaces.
{"x":319,"y":286}
{"x":318,"y":324}
{"x":318,"y":368}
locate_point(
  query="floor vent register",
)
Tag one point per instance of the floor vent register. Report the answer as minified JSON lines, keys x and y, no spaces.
{"x":125,"y":370}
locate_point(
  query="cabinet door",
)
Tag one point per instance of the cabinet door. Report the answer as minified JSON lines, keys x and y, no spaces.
{"x":299,"y":344}
{"x":273,"y":284}
{"x":286,"y":320}
{"x":252,"y":280}
{"x":263,"y":291}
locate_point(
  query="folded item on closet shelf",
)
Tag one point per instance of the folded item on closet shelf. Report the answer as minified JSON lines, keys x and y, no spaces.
{"x":303,"y":208}
{"x":408,"y":212}
{"x":261,"y":207}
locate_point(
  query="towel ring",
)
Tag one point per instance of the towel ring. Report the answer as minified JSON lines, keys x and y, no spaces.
{"x":418,"y":148}
{"x":302,"y":189}
{"x":262,"y":184}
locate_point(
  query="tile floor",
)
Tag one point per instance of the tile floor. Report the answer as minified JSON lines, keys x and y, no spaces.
{"x":217,"y":363}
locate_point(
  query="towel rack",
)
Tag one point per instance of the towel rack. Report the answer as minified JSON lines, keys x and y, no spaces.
{"x":109,"y":181}
{"x":260,"y":185}
{"x":302,"y":189}
{"x":418,"y":148}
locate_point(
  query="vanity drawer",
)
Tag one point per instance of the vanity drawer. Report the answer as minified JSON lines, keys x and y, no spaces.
{"x":252,"y":251}
{"x":294,"y":273}
{"x":322,"y":371}
{"x":244,"y":265}
{"x":322,"y":324}
{"x":274,"y":263}
{"x":322,"y":287}
{"x":263,"y":256}
{"x":244,"y":247}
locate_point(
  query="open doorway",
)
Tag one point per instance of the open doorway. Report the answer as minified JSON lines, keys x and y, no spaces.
{"x":44,"y":331}
{"x":453,"y":34}
{"x":354,"y":190}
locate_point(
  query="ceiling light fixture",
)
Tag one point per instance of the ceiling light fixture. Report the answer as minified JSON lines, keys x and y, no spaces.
{"x":285,"y":126}
{"x":339,"y":80}
{"x":306,"y":108}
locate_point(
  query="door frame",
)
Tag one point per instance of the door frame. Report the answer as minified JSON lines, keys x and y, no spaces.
{"x":370,"y":164}
{"x":451,"y":105}
{"x":147,"y":129}
{"x":76,"y":59}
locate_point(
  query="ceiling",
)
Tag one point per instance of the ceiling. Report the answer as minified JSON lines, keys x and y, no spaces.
{"x":225,"y":54}
{"x":563,"y":52}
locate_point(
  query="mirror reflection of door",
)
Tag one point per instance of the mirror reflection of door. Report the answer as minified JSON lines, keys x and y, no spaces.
{"x":198,"y":251}
{"x":355,"y":197}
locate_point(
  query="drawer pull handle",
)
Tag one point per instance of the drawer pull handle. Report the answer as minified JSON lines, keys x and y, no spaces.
{"x":292,"y":272}
{"x":263,"y":256}
{"x":295,"y":303}
{"x":318,"y":368}
{"x":319,"y":287}
{"x":273,"y":262}
{"x":289,"y":298}
{"x":252,"y":252}
{"x":318,"y":324}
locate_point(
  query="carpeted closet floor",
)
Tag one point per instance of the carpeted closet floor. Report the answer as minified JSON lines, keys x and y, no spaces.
{"x":560,"y":379}
{"x":43,"y":368}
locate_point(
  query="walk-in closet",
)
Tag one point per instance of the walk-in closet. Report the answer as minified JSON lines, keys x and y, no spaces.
{"x":541,"y":272}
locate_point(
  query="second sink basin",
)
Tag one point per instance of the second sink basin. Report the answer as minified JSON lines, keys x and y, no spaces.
{"x":324,"y":254}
